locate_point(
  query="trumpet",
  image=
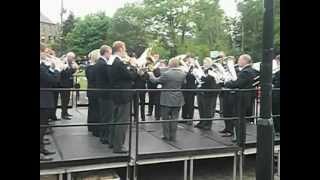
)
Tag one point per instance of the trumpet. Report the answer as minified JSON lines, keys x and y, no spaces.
{"x":53,"y":62}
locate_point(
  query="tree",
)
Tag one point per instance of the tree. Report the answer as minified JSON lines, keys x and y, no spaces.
{"x":128,"y":25}
{"x":252,"y":21}
{"x":68,"y":24}
{"x":89,"y":34}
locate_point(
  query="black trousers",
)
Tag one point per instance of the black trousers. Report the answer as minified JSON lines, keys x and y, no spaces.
{"x":141,"y":101}
{"x":44,"y":117}
{"x":154,"y":100}
{"x":229,"y":109}
{"x":118,"y":132}
{"x":276,"y":111}
{"x":188,"y":107}
{"x":53,"y":112}
{"x":106,"y":115}
{"x":93,"y":113}
{"x":206,"y":104}
{"x":65,"y":98}
{"x":250,"y":109}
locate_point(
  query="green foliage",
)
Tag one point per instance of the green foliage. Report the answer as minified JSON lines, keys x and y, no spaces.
{"x":88,"y":34}
{"x":127,"y":26}
{"x":252,"y":21}
{"x":173,"y":27}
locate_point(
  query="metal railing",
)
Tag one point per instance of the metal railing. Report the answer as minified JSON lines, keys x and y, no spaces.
{"x":240,"y":125}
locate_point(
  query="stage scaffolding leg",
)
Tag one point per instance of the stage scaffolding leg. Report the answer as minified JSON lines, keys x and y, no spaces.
{"x":279,"y":164}
{"x":68,"y":176}
{"x":128,"y":172}
{"x":185,"y":175}
{"x":241,"y":165}
{"x":235,"y":166}
{"x":191,"y":169}
{"x":60,"y":176}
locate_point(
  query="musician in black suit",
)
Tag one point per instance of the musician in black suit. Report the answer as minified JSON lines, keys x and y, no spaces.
{"x":102,"y":70}
{"x":47,"y":80}
{"x":66,"y":81}
{"x":229,"y":106}
{"x":245,"y":80}
{"x":140,"y":83}
{"x":207,"y":100}
{"x":276,"y":99}
{"x":123,"y":75}
{"x":93,"y":109}
{"x":190,"y":83}
{"x":53,"y":115}
{"x":154,"y":97}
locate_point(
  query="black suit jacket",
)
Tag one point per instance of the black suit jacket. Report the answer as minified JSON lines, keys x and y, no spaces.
{"x":209,"y":83}
{"x":245,"y":81}
{"x":48,"y":79}
{"x":276,"y":84}
{"x":190,"y":81}
{"x":66,"y":77}
{"x":123,"y":76}
{"x":91,"y":80}
{"x":102,"y":74}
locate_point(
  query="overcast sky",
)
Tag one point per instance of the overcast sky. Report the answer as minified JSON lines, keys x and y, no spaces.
{"x":51,"y":8}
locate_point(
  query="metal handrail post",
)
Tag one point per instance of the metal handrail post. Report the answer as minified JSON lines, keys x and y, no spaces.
{"x":135,"y":171}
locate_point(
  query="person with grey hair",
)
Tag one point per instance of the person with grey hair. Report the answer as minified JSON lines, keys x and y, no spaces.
{"x":170,"y":101}
{"x":66,"y":81}
{"x":245,"y":80}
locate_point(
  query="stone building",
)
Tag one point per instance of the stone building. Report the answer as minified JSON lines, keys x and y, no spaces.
{"x":48,"y":29}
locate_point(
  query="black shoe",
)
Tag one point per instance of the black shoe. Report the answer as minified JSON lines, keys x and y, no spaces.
{"x":44,"y":158}
{"x":110,"y":146}
{"x":47,"y":152}
{"x":227,"y":135}
{"x":121,"y":151}
{"x":65,"y":118}
{"x":164,"y":138}
{"x":67,"y":114}
{"x":198,"y":126}
{"x":103,"y":141}
{"x":223,"y":131}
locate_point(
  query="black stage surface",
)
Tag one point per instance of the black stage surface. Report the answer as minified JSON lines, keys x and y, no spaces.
{"x":76,"y":146}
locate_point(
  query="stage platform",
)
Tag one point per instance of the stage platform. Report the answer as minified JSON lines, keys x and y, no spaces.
{"x":78,"y":150}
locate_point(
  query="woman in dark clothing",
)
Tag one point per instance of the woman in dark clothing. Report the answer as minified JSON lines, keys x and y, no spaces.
{"x":93,"y":109}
